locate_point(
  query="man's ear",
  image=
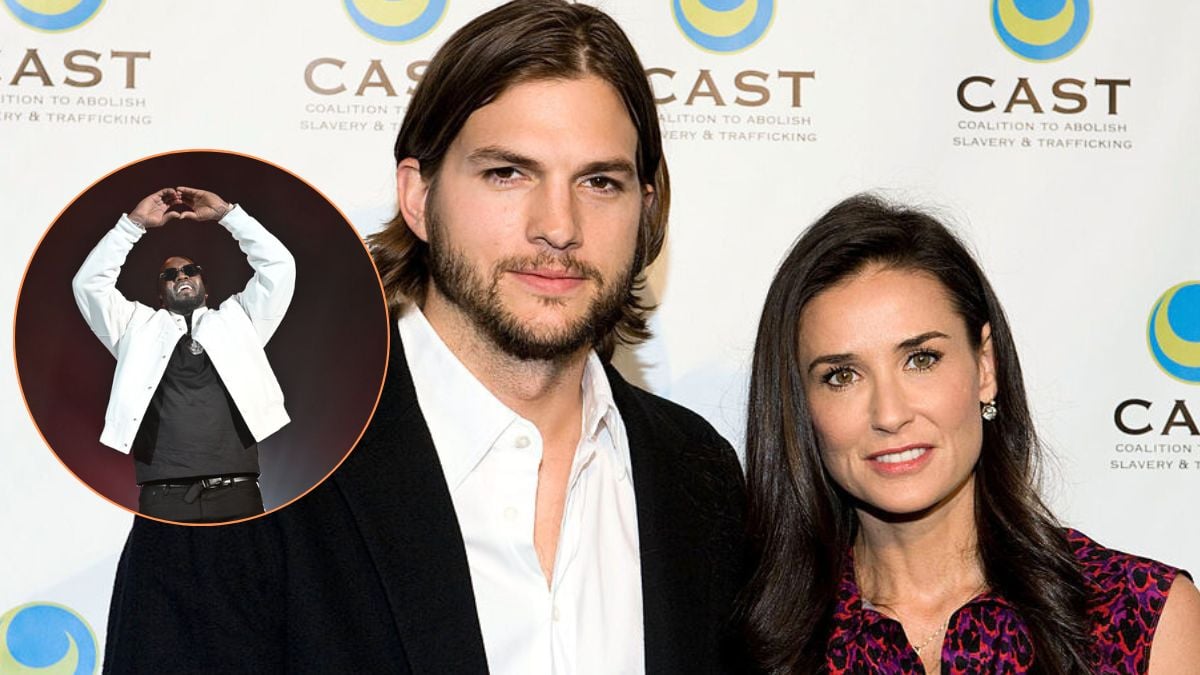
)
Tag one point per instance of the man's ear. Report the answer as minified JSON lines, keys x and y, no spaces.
{"x":411,"y":192}
{"x":648,"y":197}
{"x":987,"y":365}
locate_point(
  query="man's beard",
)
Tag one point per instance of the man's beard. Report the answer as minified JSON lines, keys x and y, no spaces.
{"x":479,"y":298}
{"x":185,"y":305}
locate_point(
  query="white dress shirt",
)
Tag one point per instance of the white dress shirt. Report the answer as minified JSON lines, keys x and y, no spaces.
{"x":589,"y":619}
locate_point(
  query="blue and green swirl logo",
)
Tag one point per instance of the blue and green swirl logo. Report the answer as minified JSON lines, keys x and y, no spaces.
{"x":53,"y":16}
{"x":1174,"y":332}
{"x":723,"y":26}
{"x":46,"y":638}
{"x":1041,"y":30}
{"x":396,"y":20}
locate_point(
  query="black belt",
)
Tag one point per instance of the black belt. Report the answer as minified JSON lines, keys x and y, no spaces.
{"x":194,"y":488}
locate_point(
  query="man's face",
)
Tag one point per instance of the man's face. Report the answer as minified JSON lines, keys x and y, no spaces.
{"x":184,"y":293}
{"x":533,"y":219}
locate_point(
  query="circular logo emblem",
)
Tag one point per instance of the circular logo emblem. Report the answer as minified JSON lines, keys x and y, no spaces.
{"x":53,"y":15}
{"x":1174,"y":332}
{"x":1041,"y":30}
{"x":50,"y":638}
{"x":396,"y":20}
{"x":723,"y":26}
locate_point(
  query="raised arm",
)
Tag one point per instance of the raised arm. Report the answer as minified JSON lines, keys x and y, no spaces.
{"x":105,"y":310}
{"x":266,"y":297}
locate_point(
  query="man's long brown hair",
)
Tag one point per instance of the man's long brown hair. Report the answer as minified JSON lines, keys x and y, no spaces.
{"x":523,"y":41}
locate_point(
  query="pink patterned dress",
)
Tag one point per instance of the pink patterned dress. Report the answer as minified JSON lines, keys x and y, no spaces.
{"x":986,"y":635}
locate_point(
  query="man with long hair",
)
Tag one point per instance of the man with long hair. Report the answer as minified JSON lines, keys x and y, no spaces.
{"x":515,"y":505}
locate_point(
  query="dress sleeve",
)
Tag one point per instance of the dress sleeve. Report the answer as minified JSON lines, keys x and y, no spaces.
{"x":1127,"y":598}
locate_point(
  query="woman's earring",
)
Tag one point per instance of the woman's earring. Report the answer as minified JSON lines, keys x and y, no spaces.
{"x":989,"y":411}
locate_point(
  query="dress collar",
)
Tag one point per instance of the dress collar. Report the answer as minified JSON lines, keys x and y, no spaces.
{"x":852,"y":613}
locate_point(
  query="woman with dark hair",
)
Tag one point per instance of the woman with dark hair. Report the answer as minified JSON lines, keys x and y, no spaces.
{"x":892,"y":468}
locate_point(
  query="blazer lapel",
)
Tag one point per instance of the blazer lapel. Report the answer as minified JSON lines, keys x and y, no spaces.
{"x":395,"y":488}
{"x":671,"y":532}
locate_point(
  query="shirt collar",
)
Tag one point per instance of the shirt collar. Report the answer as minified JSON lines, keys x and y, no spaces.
{"x":600,"y":412}
{"x":196,"y":314}
{"x":465,"y":419}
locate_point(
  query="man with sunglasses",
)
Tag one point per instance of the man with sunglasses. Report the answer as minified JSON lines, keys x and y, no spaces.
{"x":193,"y":392}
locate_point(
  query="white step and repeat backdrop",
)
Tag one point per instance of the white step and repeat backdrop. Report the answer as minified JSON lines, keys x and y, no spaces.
{"x":1059,"y":135}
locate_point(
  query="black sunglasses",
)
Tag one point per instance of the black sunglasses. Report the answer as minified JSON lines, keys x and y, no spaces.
{"x":172,"y":273}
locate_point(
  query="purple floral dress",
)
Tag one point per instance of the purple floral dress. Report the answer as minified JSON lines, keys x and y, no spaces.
{"x":986,"y":635}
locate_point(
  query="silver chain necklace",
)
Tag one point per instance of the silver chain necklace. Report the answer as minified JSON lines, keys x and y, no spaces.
{"x":940,"y":630}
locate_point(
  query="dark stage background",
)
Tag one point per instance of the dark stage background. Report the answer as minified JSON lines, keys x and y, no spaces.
{"x":329,"y":352}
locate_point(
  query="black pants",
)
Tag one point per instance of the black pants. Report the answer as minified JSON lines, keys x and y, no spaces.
{"x":213,"y":505}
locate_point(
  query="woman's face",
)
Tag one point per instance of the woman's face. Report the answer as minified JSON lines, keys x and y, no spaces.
{"x":895,"y":387}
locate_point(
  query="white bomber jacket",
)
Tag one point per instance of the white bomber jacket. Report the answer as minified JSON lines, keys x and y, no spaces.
{"x":142,"y":338}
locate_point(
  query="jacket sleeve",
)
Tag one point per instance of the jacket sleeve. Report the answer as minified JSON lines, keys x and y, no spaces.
{"x":266,"y":298}
{"x":105,"y":310}
{"x":198,"y":600}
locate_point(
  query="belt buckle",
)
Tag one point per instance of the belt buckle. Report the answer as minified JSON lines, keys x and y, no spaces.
{"x":210,"y":483}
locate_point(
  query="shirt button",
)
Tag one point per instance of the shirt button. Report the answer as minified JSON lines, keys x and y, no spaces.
{"x":521,"y":442}
{"x":555,"y":613}
{"x":510,"y":513}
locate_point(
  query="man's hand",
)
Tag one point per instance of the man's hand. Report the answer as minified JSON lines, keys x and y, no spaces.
{"x":181,"y":203}
{"x":155,"y":210}
{"x":202,"y":205}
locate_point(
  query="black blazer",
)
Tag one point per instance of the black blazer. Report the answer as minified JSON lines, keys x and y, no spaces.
{"x":368,"y":573}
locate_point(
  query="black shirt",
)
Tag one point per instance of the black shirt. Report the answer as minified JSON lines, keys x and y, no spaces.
{"x":192,"y":429}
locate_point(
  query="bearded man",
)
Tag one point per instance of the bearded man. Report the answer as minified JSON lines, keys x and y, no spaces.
{"x":193,"y":392}
{"x":515,"y":506}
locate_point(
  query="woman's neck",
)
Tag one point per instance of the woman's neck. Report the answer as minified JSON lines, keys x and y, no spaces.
{"x":922,"y":566}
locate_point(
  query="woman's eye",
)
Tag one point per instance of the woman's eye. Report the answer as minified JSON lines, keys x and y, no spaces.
{"x":923,"y":360}
{"x":839,"y":377}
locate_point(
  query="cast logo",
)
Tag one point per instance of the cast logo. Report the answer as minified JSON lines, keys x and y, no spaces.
{"x":1173,"y":336}
{"x":54,"y":16}
{"x":1173,"y":332}
{"x":48,"y":638}
{"x":396,"y":21}
{"x":1041,"y":30}
{"x":723,"y":26}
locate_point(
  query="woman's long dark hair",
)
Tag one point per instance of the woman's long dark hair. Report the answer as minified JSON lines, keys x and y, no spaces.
{"x":802,"y":525}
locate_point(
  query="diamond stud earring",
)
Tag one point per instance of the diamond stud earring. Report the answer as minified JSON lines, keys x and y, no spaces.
{"x":989,"y":411}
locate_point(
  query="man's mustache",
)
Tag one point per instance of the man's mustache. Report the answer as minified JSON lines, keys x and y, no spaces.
{"x":564,"y":264}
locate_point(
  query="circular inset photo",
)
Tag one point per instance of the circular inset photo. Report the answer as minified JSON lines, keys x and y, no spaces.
{"x":201,"y":337}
